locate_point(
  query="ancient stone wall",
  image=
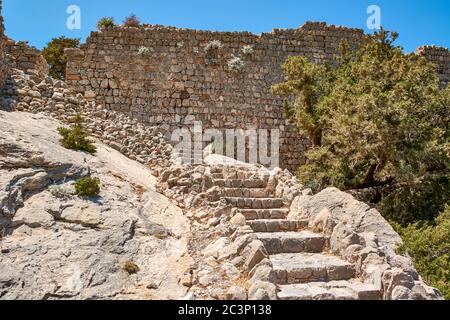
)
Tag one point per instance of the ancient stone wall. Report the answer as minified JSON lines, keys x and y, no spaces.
{"x":27,"y":59}
{"x":441,"y":58}
{"x":177,"y":81}
{"x":166,"y":76}
{"x":4,"y":65}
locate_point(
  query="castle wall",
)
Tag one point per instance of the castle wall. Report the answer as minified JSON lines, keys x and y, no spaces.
{"x":27,"y":59}
{"x":178,"y":82}
{"x":4,"y":64}
{"x":441,"y":58}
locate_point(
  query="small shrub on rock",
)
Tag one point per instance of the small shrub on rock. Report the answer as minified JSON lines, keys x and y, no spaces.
{"x":213,"y":46}
{"x":132,"y":21}
{"x":77,"y":137}
{"x":131,"y":267}
{"x":106,"y":22}
{"x":87,"y":187}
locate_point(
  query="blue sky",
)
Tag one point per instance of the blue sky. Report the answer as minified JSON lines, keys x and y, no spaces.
{"x":419,"y":22}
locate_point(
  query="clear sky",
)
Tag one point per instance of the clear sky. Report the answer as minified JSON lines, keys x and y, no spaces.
{"x":419,"y":22}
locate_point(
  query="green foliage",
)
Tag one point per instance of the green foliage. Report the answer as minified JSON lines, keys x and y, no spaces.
{"x":87,"y":187}
{"x":212,"y":49}
{"x":429,"y":246}
{"x":106,"y":22}
{"x":376,"y":119}
{"x":55,"y":57}
{"x":132,"y":21}
{"x":131,"y":267}
{"x":77,"y":137}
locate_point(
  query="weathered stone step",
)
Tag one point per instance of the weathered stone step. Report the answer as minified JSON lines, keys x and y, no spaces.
{"x":293,"y":242}
{"x":235,"y":183}
{"x":246,"y":192}
{"x":255,"y":203}
{"x":280,"y":225}
{"x":333,"y":290}
{"x":292,"y":268}
{"x":254,"y":214}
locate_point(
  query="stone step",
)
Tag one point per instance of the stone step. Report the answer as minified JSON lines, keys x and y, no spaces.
{"x":254,"y":214}
{"x":235,"y":183}
{"x":293,"y":242}
{"x":255,"y":203}
{"x":292,"y":268}
{"x":280,"y":225}
{"x":333,"y":290}
{"x":245,"y":192}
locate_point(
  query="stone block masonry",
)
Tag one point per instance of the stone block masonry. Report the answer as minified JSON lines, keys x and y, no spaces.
{"x":177,"y":81}
{"x":164,"y":76}
{"x":4,"y":63}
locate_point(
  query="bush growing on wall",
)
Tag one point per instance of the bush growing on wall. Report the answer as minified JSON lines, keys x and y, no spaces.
{"x":213,"y":46}
{"x":106,"y":22}
{"x":132,"y":21}
{"x":379,"y":119}
{"x":212,"y":52}
{"x":236,"y":64}
{"x":87,"y":187}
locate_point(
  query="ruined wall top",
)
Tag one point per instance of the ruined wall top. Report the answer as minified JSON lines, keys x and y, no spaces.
{"x":166,"y":76}
{"x":27,"y":59}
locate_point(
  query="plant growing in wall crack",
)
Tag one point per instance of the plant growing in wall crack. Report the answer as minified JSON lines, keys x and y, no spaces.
{"x":143,"y":52}
{"x":212,"y":52}
{"x":55,"y":56}
{"x":236,"y":64}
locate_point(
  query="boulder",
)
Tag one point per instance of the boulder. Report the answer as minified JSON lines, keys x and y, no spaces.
{"x":236,"y":293}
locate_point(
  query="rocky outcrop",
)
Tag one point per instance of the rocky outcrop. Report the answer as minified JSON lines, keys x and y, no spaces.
{"x":59,"y":246}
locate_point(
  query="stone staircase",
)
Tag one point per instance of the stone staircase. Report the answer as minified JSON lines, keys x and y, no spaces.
{"x":303,"y":268}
